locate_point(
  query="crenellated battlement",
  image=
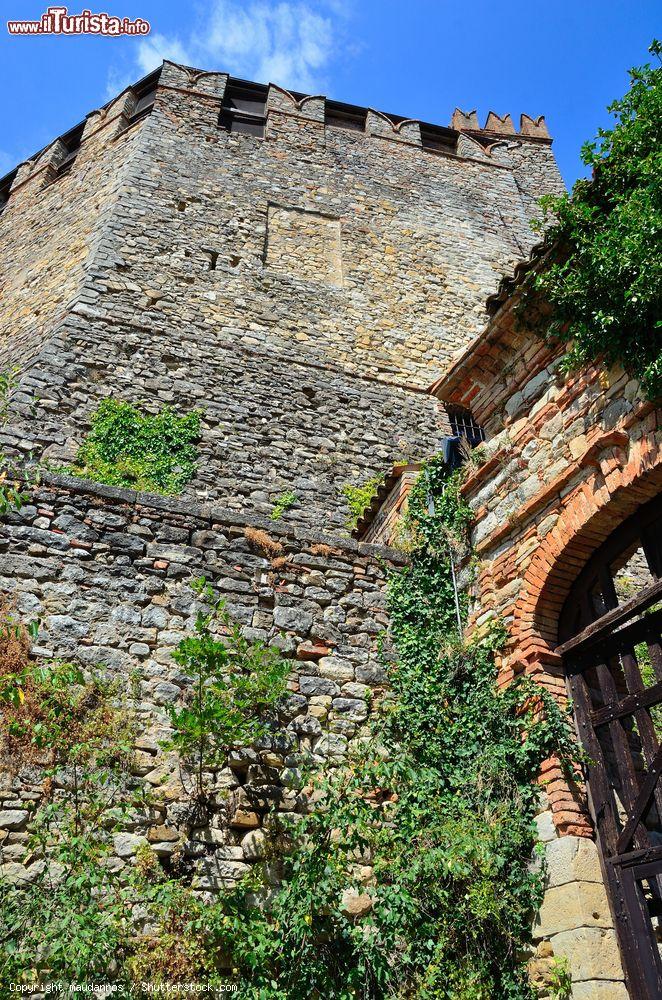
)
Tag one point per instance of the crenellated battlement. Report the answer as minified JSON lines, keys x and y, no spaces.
{"x":132,"y":104}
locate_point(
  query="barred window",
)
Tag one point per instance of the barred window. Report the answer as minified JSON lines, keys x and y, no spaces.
{"x":464,"y":426}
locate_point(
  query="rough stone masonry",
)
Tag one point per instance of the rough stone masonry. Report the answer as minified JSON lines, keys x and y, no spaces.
{"x":301,"y":288}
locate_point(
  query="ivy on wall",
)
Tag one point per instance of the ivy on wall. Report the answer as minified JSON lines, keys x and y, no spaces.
{"x":13,"y":492}
{"x":131,"y":448}
{"x":605,"y":285}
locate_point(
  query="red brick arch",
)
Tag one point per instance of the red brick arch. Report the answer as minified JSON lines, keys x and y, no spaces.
{"x":614,"y":486}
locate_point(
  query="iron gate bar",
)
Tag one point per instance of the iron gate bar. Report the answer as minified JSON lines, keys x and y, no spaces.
{"x":652,"y":854}
{"x":611,"y":619}
{"x":627,"y":706}
{"x":643,"y":801}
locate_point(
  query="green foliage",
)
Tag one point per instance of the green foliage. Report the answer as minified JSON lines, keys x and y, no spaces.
{"x":130,"y":448}
{"x":235,"y":686}
{"x":428,"y":826}
{"x":411,"y":877}
{"x":70,"y":920}
{"x":560,"y":979}
{"x":73,"y":921}
{"x":605,"y":285}
{"x":282,"y":504}
{"x":360,"y":497}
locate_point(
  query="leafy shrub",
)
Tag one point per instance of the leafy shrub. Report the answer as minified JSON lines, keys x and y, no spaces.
{"x":130,"y":448}
{"x":235,"y":685}
{"x":605,"y":281}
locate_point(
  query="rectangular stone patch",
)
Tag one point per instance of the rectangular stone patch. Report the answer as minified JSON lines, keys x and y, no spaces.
{"x":304,"y":245}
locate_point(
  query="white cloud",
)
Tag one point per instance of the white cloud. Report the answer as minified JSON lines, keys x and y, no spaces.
{"x":292,"y":43}
{"x":153,"y":50}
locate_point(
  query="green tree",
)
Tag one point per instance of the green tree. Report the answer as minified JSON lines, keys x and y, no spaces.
{"x":604,"y":281}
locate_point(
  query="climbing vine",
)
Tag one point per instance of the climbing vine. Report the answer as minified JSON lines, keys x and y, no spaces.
{"x":13,"y":491}
{"x":129,"y":447}
{"x":604,"y":281}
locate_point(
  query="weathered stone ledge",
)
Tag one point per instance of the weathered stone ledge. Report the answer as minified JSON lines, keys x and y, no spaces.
{"x":218,"y":515}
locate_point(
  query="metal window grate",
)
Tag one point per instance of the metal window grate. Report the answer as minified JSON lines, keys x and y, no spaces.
{"x":463,"y":425}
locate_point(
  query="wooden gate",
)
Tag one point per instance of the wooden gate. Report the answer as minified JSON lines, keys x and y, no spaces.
{"x":610,"y":633}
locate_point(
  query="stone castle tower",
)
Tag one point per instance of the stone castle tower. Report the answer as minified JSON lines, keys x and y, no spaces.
{"x":302,"y":272}
{"x":299,"y":270}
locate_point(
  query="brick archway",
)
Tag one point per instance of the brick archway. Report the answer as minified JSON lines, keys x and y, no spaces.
{"x":619,"y":479}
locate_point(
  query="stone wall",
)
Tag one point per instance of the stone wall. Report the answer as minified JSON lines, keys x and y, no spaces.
{"x":565,"y":462}
{"x":302,"y":290}
{"x":107,"y":573}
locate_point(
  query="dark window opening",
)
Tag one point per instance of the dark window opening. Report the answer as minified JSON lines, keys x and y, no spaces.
{"x":145,"y":95}
{"x":213,"y":257}
{"x":436,"y":137}
{"x":5,"y":188}
{"x":464,"y":426}
{"x":244,"y":108}
{"x":71,"y":141}
{"x":345,"y":116}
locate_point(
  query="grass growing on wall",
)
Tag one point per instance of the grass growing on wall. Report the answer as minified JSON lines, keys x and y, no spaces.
{"x":359,"y":498}
{"x":128,"y":447}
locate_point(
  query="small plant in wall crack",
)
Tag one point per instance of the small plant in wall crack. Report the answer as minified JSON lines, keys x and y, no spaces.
{"x":359,"y":498}
{"x":560,"y":979}
{"x":283,"y":503}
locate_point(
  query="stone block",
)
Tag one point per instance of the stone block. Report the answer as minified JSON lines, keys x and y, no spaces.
{"x":572,"y":859}
{"x":568,"y":907}
{"x":13,"y":819}
{"x":599,"y":990}
{"x":592,"y":953}
{"x":545,"y":827}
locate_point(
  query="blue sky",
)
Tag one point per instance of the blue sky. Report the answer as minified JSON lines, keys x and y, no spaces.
{"x":419,"y":58}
